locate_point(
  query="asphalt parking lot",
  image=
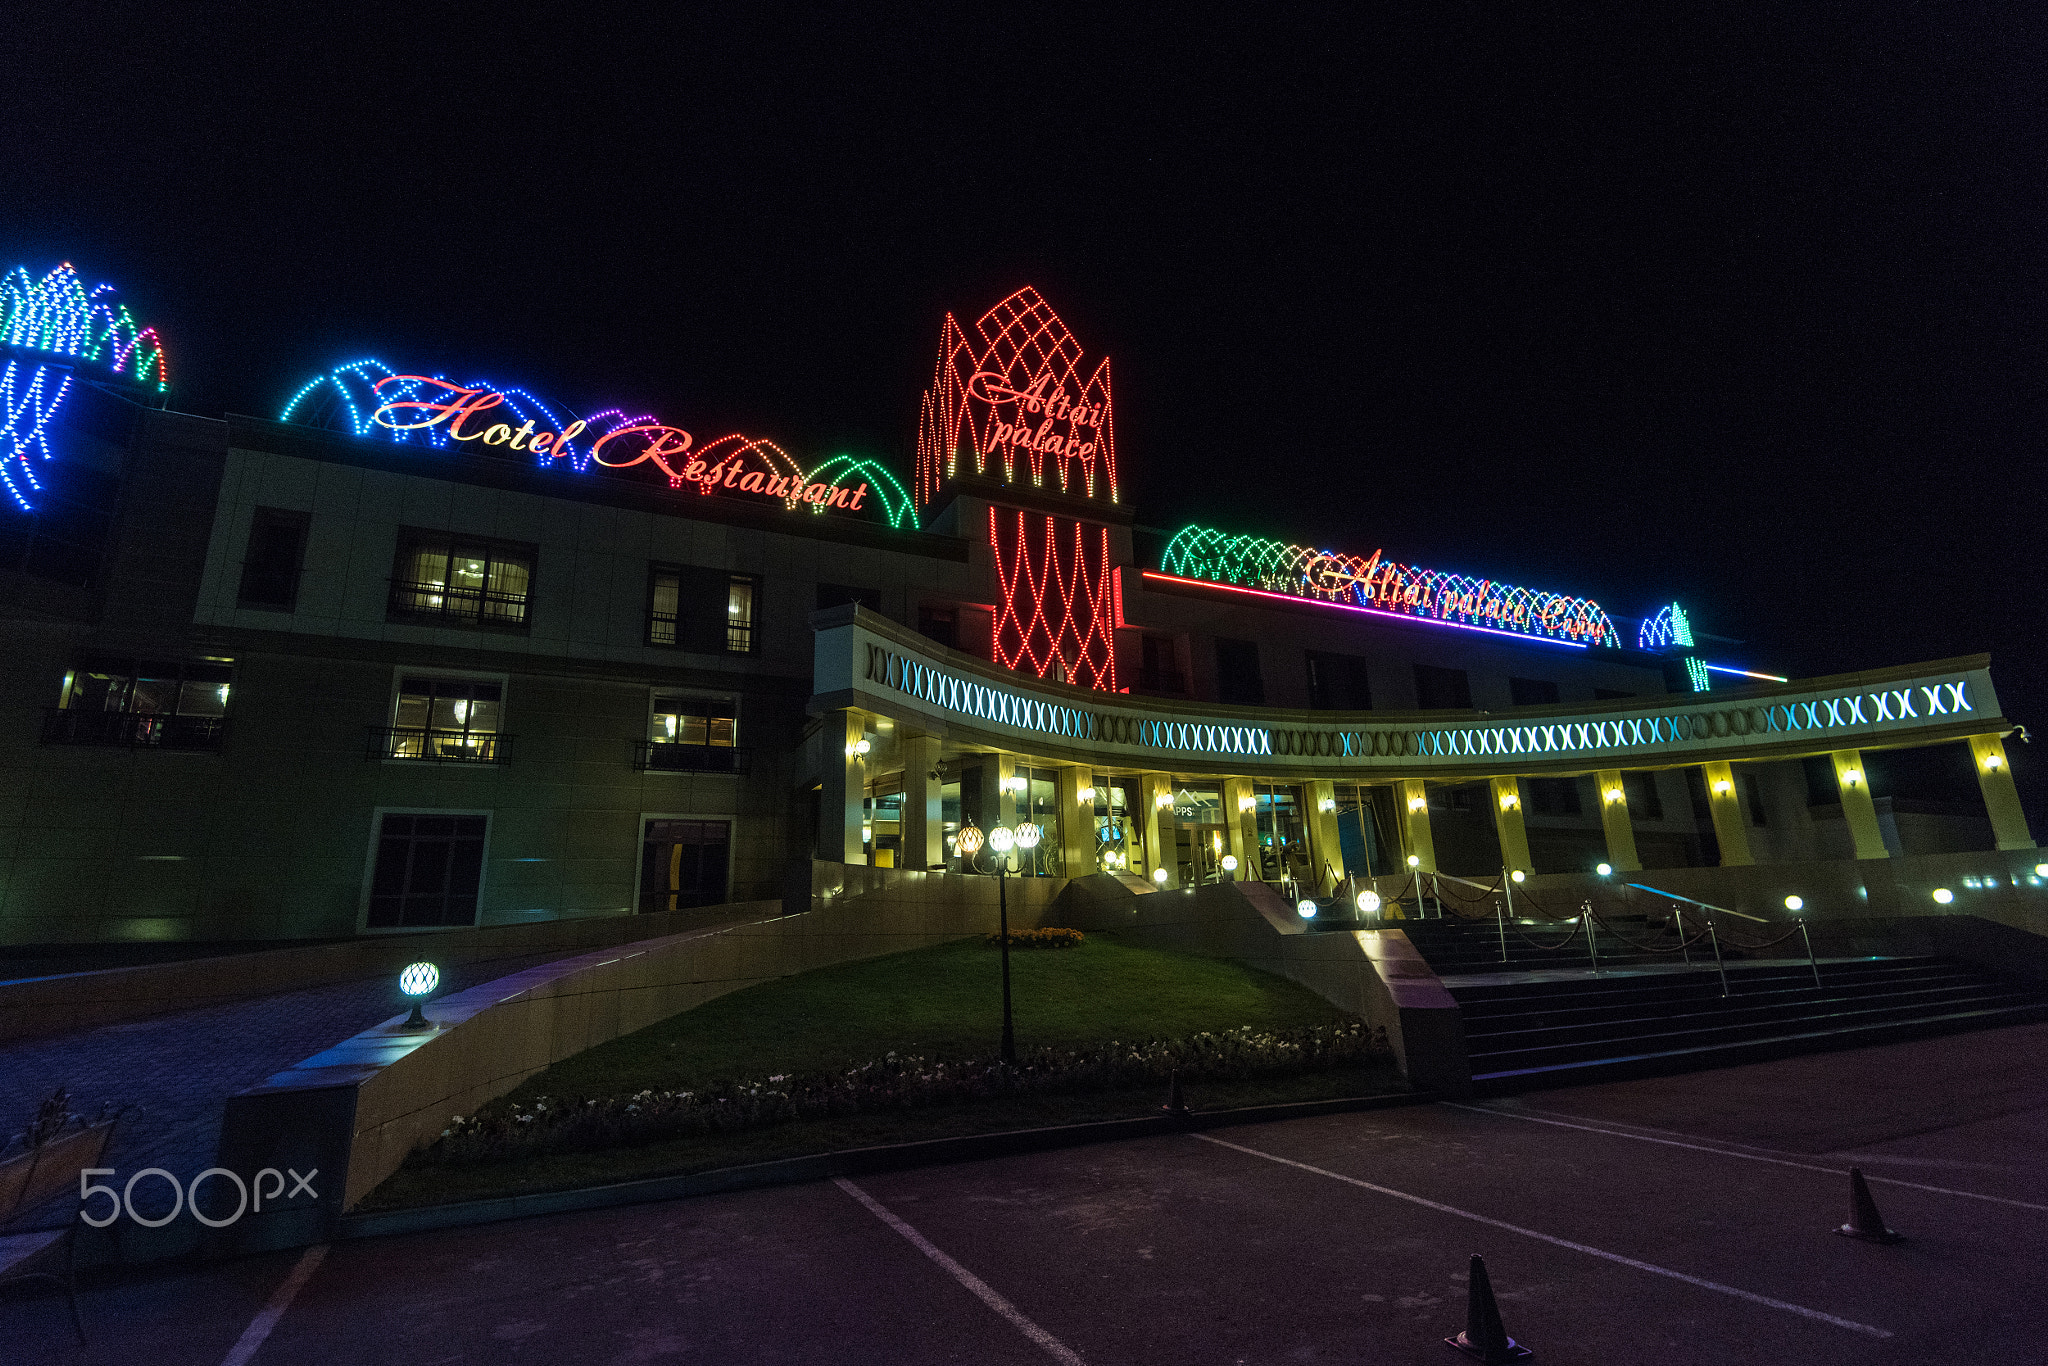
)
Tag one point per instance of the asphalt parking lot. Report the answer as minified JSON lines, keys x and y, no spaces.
{"x":1675,"y":1220}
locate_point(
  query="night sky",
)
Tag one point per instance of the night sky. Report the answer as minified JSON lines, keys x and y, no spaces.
{"x":1741,"y":308}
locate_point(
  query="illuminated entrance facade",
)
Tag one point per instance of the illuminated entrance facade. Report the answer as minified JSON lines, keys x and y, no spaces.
{"x":424,"y":650}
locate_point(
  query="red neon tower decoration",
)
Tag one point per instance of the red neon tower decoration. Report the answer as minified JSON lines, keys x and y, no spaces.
{"x":1017,"y":403}
{"x":1057,"y":605}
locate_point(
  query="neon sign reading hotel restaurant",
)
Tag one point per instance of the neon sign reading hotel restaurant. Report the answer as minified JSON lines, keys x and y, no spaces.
{"x":368,"y":398}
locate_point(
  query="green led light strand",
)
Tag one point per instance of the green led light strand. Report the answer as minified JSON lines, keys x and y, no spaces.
{"x":888,"y":490}
{"x":1376,"y":584}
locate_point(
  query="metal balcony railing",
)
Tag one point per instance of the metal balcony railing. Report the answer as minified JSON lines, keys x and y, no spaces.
{"x":437,"y":746}
{"x":132,"y":730}
{"x":469,"y":606}
{"x":667,"y":756}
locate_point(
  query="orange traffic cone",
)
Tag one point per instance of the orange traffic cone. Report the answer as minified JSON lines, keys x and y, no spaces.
{"x":1175,"y":1105}
{"x":1864,"y":1220}
{"x":1485,"y":1337}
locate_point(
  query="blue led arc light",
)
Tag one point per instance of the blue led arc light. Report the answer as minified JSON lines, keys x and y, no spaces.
{"x":1668,"y":628}
{"x":345,"y":398}
{"x":62,"y":327}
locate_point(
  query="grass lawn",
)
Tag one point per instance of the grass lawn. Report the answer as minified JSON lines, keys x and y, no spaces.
{"x":943,"y":1002}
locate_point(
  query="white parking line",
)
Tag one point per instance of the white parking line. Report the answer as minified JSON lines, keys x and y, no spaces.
{"x":1735,"y":1152}
{"x":267,"y":1317}
{"x":1054,"y":1348}
{"x":1565,"y":1243}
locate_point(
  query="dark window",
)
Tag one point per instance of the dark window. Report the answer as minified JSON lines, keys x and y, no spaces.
{"x":1338,"y":682}
{"x":276,"y":553}
{"x":1609,"y":694}
{"x":839,"y":594}
{"x":712,"y":611}
{"x":683,"y":864}
{"x":1552,"y":796}
{"x":1159,"y":665}
{"x":150,"y":703}
{"x":1442,"y":689}
{"x":429,"y":869}
{"x":445,"y":719}
{"x":1237,"y":673}
{"x":461,"y":582}
{"x":1643,"y":801}
{"x":941,"y":623}
{"x":1532,"y":692}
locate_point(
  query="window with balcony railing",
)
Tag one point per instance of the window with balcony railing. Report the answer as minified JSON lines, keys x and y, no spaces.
{"x":691,"y":734}
{"x":439,"y":581}
{"x":712,"y":611}
{"x":142,"y":704}
{"x":443,"y":720}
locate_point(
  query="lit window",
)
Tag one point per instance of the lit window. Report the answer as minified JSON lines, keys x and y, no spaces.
{"x":447,"y":719}
{"x":154,"y":704}
{"x":461,"y":582}
{"x":693,"y":733}
{"x":739,"y":615}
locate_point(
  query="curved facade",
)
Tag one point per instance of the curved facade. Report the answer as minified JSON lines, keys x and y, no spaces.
{"x":437,"y":652}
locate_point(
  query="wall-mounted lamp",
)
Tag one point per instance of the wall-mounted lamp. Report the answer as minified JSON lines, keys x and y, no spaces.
{"x":1417,"y":803}
{"x":1087,"y":796}
{"x":1163,"y":802}
{"x":1993,"y":761}
{"x":1327,"y":804}
{"x":1852,"y":776}
{"x":1723,"y":786}
{"x":1415,"y":860}
{"x":860,"y":748}
{"x":1247,"y":802}
{"x":1614,"y":794}
{"x":1509,"y":801}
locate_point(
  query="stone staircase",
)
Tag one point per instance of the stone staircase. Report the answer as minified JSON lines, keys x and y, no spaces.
{"x":1549,"y":1019}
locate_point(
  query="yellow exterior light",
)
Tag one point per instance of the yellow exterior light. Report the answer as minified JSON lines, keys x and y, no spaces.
{"x":1993,"y":760}
{"x":969,"y":840}
{"x":1614,"y":794}
{"x":1247,"y":803}
{"x":861,"y":748}
{"x":1604,"y":869}
{"x":1369,"y":901}
{"x":1517,"y":875}
{"x":1509,"y":801}
{"x":1027,"y":836}
{"x":1000,"y":839}
{"x":2041,"y":870}
{"x":1795,"y":903}
{"x":1087,"y":795}
{"x":1852,"y":776}
{"x":1416,"y":803}
{"x":1943,"y":896}
{"x":1723,"y":786}
{"x":1159,"y":876}
{"x":1415,"y":860}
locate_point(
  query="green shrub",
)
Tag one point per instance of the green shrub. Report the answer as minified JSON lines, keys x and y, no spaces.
{"x":1039,"y":939}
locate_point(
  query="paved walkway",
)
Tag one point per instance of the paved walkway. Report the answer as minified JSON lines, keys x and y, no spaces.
{"x":1685,"y":1221}
{"x":181,"y":1068}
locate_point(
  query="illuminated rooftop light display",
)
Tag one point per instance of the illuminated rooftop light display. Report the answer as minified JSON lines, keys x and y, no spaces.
{"x":1669,"y":627}
{"x":1384,"y":587}
{"x":59,"y":326}
{"x":1016,"y":402}
{"x":368,"y":399}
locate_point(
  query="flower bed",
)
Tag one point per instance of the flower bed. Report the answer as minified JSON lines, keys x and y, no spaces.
{"x":893,"y":1083}
{"x":1039,"y":939}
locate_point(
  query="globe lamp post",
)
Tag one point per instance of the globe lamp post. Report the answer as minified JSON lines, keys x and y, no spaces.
{"x":1001,"y":841}
{"x":418,"y":981}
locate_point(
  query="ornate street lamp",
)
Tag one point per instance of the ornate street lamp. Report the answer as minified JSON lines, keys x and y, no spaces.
{"x":1001,"y":840}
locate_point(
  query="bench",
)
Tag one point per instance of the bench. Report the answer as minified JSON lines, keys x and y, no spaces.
{"x":45,"y":1171}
